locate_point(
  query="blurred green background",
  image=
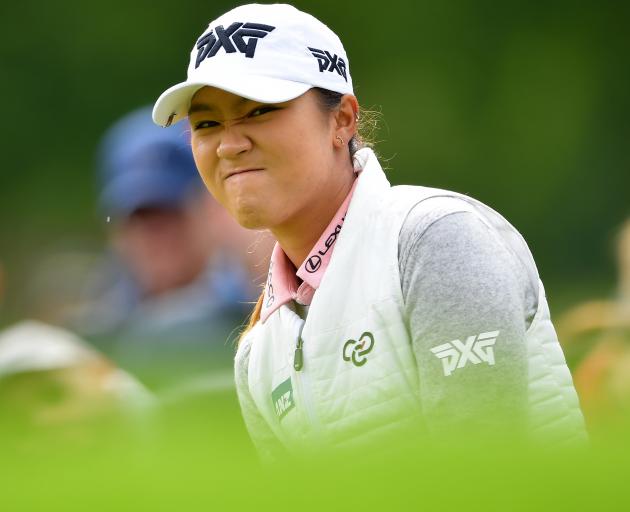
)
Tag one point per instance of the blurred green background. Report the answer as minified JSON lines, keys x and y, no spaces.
{"x":521,"y":104}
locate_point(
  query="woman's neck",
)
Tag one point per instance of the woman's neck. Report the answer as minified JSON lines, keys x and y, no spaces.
{"x":298,"y":236}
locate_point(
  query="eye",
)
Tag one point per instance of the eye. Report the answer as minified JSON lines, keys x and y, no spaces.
{"x":262,"y":110}
{"x":200,"y":125}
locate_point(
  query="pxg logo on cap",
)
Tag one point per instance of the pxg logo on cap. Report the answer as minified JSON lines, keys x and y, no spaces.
{"x":231,"y":39}
{"x":330,"y":62}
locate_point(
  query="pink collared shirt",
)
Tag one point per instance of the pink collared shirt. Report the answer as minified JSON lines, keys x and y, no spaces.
{"x":282,"y":282}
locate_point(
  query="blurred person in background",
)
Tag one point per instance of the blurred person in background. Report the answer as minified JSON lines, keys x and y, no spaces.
{"x":51,"y":379}
{"x":596,"y":334}
{"x":175,"y":286}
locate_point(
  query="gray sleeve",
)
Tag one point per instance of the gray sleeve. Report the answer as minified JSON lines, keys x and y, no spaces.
{"x":468,"y":303}
{"x":265,"y":441}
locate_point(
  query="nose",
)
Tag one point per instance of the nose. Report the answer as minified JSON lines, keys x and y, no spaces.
{"x":233,"y":142}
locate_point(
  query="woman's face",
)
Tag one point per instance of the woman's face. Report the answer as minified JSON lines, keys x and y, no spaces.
{"x":265,"y":163}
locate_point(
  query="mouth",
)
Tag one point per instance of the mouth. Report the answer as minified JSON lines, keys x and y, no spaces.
{"x":238,"y":172}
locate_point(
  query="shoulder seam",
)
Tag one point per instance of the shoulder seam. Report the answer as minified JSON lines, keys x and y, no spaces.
{"x":414,"y":243}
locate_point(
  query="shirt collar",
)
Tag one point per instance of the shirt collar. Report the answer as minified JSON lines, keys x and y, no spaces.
{"x":282,"y":280}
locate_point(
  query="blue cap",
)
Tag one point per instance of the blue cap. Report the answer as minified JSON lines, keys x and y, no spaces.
{"x":142,"y":165}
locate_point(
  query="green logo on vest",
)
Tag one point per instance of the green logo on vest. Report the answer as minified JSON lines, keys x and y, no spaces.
{"x":356,"y":351}
{"x":282,"y":398}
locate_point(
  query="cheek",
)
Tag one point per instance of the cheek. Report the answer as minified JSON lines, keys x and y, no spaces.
{"x":309,"y":159}
{"x":205,"y":160}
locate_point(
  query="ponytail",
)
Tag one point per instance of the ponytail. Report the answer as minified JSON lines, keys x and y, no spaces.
{"x":253,"y":317}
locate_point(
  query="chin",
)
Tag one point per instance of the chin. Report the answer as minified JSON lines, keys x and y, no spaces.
{"x":249,"y":218}
{"x":249,"y":223}
{"x":257,"y":213}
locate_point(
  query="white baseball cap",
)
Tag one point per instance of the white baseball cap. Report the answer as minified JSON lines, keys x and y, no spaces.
{"x":268,"y":53}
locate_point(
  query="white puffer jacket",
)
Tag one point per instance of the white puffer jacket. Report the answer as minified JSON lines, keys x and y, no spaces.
{"x":358,"y":377}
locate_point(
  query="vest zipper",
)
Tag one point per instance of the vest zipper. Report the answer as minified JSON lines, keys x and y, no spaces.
{"x":298,"y":357}
{"x":303,"y":383}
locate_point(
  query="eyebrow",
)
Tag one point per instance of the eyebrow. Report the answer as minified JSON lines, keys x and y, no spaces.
{"x":204,"y":107}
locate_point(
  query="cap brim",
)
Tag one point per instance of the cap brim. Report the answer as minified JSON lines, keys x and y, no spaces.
{"x":173,"y":104}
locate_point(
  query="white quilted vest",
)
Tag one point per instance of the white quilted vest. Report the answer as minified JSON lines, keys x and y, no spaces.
{"x":332,"y":401}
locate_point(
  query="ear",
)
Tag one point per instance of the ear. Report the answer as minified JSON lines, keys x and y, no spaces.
{"x":346,"y":117}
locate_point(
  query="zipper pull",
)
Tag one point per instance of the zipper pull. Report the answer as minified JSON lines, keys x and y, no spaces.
{"x":298,"y":359}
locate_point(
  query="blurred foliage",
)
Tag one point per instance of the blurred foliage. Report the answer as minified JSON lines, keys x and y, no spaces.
{"x":521,"y":104}
{"x":197,"y":457}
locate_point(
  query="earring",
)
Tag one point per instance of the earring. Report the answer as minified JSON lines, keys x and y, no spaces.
{"x":340,"y":140}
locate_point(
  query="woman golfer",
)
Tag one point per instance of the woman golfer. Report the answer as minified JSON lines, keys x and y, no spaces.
{"x":385,"y":308}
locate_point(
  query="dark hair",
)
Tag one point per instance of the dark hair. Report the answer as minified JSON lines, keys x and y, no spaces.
{"x":330,"y":100}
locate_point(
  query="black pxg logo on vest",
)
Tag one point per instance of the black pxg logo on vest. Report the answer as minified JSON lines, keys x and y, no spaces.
{"x":231,"y":39}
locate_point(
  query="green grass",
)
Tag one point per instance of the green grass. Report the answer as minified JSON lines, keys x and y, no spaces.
{"x":196,"y":456}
